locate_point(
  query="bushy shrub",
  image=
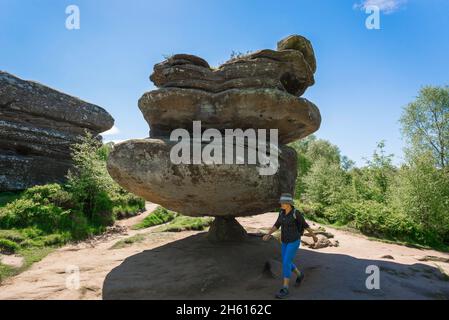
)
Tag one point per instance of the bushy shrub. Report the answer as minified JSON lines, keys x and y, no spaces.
{"x":8,"y":246}
{"x":95,"y":193}
{"x":49,"y":194}
{"x":12,"y":235}
{"x":24,"y":213}
{"x":421,"y":191}
{"x":325,"y":183}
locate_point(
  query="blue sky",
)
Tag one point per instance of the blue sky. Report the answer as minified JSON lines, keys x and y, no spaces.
{"x":364,"y":77}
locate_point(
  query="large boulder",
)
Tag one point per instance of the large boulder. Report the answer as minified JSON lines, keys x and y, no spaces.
{"x":172,"y":108}
{"x":145,"y":168}
{"x":38,"y":125}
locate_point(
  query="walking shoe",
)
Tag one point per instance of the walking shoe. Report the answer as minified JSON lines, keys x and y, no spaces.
{"x":283,"y":293}
{"x":299,"y":279}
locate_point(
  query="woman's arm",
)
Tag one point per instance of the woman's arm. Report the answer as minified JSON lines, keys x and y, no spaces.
{"x":268,"y":235}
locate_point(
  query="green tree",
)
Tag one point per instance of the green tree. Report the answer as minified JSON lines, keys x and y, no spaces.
{"x":325,"y":184}
{"x":421,"y":191}
{"x":310,"y":151}
{"x":89,"y":181}
{"x":373,"y":181}
{"x":425,"y":124}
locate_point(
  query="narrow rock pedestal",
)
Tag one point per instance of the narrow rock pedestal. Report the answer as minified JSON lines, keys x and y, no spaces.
{"x":226,"y":229}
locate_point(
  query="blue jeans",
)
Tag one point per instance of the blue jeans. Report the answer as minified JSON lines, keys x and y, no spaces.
{"x":288,"y":251}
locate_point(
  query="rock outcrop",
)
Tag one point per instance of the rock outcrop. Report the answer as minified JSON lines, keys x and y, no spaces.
{"x":38,"y":125}
{"x":260,"y":90}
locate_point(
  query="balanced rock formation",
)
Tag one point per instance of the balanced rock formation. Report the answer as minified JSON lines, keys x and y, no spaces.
{"x":256,"y":91}
{"x":38,"y":125}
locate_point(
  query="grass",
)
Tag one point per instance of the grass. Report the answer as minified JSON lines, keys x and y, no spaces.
{"x":30,"y":256}
{"x":184,"y":223}
{"x":174,"y":223}
{"x":157,"y":217}
{"x":128,"y":241}
{"x":29,"y":243}
{"x":127,"y":211}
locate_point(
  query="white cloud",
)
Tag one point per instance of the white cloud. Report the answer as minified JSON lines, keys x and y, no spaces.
{"x":113,"y":131}
{"x":387,"y":6}
{"x":113,"y":141}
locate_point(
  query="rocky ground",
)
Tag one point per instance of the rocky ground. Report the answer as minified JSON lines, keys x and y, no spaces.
{"x":184,"y":265}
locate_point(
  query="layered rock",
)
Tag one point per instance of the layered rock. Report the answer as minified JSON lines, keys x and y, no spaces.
{"x":260,"y":90}
{"x":283,"y":70}
{"x":145,"y":168}
{"x":38,"y":125}
{"x":172,"y":108}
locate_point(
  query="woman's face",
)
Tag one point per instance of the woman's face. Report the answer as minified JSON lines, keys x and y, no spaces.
{"x":286,"y":206}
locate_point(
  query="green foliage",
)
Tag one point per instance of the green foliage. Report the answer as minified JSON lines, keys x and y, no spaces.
{"x":12,"y":235}
{"x":44,"y":217}
{"x":7,"y":197}
{"x":51,"y":215}
{"x":94,"y":192}
{"x":89,"y":181}
{"x":128,"y":241}
{"x":373,"y":181}
{"x":407,"y":204}
{"x":30,"y":256}
{"x":8,"y":246}
{"x":425,"y":124}
{"x":159,"y":216}
{"x":422,"y":192}
{"x":183,"y":223}
{"x":24,"y":213}
{"x":325,"y":183}
{"x":311,"y":151}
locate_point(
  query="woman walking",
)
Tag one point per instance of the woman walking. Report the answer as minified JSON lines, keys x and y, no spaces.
{"x":292,"y":224}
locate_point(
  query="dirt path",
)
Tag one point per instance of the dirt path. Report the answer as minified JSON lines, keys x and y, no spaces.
{"x":134,"y":271}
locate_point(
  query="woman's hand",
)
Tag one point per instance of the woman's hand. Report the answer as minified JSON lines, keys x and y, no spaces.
{"x":266,"y":237}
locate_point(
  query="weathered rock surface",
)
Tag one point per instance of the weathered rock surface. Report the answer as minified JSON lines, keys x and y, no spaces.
{"x":171,"y":108}
{"x":226,"y":229}
{"x":144,"y":168}
{"x":297,"y":42}
{"x":290,"y":69}
{"x":323,"y":242}
{"x":37,"y":127}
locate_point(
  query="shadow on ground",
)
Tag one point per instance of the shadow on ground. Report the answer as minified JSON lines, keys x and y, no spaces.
{"x":194,"y":268}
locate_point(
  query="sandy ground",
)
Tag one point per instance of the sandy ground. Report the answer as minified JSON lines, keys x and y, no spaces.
{"x":186,"y":266}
